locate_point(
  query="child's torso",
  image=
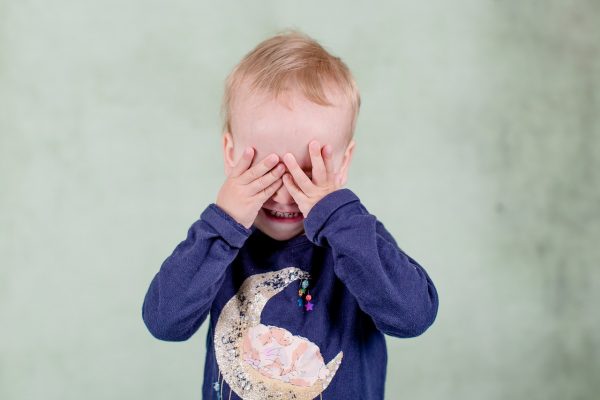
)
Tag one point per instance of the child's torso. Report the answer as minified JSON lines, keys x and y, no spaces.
{"x":270,"y":335}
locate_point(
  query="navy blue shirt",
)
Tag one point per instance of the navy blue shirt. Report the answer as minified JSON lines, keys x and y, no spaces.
{"x":302,"y":318}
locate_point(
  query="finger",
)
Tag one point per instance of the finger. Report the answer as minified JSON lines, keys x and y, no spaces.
{"x":303,"y":182}
{"x":267,"y":179}
{"x":259,"y":169}
{"x":328,"y":157}
{"x":292,"y":187}
{"x":266,"y":193}
{"x":243,"y":163}
{"x":319,"y":173}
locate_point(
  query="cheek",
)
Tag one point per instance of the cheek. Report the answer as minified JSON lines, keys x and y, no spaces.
{"x":337,"y":165}
{"x":336,"y":161}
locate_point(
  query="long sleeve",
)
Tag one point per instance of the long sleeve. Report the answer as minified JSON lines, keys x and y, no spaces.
{"x":182,"y":291}
{"x":389,"y":285}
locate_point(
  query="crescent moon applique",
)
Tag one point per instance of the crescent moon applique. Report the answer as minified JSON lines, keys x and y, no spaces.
{"x":268,"y":362}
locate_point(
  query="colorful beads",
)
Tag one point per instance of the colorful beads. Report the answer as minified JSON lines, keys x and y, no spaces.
{"x":305,"y":291}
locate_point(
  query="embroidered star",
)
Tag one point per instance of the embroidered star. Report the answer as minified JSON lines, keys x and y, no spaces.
{"x":309,"y":306}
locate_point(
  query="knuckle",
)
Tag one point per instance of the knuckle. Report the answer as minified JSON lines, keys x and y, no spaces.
{"x":263,"y":181}
{"x":274,"y":173}
{"x":264,"y":194}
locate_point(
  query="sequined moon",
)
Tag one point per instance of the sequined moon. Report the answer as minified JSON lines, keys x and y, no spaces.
{"x":241,"y":315}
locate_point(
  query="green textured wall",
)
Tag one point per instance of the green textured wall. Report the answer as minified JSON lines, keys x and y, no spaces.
{"x":478,"y":145}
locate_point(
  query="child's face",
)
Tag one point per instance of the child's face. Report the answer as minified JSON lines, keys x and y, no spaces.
{"x":270,"y":126}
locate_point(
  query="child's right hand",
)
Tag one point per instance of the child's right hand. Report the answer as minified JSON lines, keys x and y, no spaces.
{"x":245,"y":190}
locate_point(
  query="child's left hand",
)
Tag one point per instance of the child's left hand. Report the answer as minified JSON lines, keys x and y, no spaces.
{"x":307,"y":192}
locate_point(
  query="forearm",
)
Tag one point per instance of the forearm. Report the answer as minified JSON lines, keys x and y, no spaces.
{"x":181,"y":293}
{"x":389,"y":285}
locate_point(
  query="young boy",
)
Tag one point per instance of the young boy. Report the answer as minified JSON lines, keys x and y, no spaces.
{"x":300,"y":280}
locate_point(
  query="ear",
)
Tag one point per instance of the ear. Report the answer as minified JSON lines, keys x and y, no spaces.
{"x":228,"y":152}
{"x":346,"y":161}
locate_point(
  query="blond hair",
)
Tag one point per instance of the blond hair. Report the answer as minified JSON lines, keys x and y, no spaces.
{"x":291,"y":57}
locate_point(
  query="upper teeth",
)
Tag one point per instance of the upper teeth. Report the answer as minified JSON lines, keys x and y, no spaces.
{"x":283,"y":214}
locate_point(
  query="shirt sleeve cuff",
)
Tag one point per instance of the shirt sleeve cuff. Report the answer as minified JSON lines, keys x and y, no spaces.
{"x":324,"y":208}
{"x":225,"y":225}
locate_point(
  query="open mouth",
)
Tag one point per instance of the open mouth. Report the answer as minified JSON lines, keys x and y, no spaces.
{"x":283,"y":216}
